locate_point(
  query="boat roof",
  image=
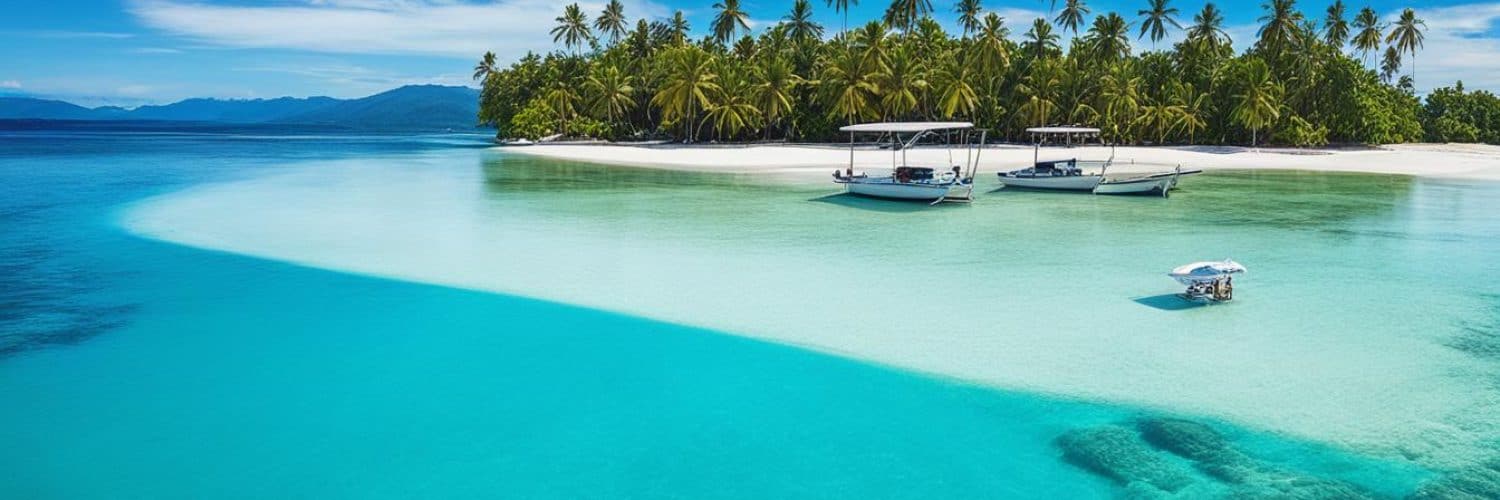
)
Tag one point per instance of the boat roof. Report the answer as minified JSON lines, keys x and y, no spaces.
{"x":1062,"y":130}
{"x":1208,"y":268}
{"x":905,"y":126}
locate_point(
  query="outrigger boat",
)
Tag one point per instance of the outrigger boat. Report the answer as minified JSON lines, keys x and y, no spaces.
{"x":950,"y":182}
{"x":1070,"y":174}
{"x":1160,"y":183}
{"x":1207,"y":281}
{"x":1062,"y":175}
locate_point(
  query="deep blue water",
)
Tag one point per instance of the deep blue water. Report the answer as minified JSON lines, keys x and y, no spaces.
{"x":138,"y":369}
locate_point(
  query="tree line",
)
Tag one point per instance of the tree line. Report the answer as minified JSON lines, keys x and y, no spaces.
{"x":1303,"y":82}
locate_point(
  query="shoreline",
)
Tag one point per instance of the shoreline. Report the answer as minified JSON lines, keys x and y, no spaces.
{"x":1447,"y":161}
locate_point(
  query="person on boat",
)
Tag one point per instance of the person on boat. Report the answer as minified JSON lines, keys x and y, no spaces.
{"x":957,"y":173}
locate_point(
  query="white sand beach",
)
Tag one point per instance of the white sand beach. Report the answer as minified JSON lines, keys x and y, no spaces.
{"x":1468,"y":161}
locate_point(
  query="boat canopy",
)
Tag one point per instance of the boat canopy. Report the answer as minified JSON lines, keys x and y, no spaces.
{"x":1207,"y":269}
{"x":905,"y":127}
{"x":1062,"y":130}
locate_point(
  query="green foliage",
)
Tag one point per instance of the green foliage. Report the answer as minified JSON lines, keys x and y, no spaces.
{"x":534,"y":121}
{"x":1296,"y":86}
{"x":1298,"y":132}
{"x":1454,"y":115}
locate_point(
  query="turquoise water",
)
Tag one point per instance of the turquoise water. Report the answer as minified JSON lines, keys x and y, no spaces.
{"x":134,"y":368}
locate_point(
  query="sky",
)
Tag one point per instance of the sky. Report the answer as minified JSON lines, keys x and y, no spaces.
{"x":133,"y":52}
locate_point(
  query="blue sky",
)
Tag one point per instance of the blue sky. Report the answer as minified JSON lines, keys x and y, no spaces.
{"x":131,"y":52}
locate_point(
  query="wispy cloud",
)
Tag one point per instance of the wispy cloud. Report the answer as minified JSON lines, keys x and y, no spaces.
{"x":430,"y":27}
{"x":1460,"y":45}
{"x":357,"y":80}
{"x":73,"y":34}
{"x":155,"y":50}
{"x":10,"y":84}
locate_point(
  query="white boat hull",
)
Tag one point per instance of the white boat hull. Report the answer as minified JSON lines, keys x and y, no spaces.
{"x":1061,"y":182}
{"x":908,"y":190}
{"x":1158,"y":185}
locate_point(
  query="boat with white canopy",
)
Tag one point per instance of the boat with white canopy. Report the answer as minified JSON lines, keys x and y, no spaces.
{"x":952,"y":181}
{"x":1208,"y":281}
{"x":1064,"y":175}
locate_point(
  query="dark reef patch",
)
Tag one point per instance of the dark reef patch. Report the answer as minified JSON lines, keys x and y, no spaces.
{"x":1177,"y":458}
{"x":1481,"y":338}
{"x":1119,"y":453}
{"x":1471,"y":483}
{"x":47,"y":301}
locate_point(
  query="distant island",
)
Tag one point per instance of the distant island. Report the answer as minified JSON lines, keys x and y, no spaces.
{"x":409,"y":108}
{"x":1336,"y":77}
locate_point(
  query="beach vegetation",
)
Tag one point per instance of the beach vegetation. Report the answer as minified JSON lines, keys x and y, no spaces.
{"x":1303,"y":80}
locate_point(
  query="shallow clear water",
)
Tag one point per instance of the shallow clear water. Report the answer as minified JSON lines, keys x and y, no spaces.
{"x":137,"y":368}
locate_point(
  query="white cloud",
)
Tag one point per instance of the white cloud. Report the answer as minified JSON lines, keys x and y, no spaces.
{"x":359,"y":81}
{"x":429,"y":27}
{"x":76,"y":34}
{"x":1459,"y":45}
{"x":155,"y":50}
{"x":10,"y":84}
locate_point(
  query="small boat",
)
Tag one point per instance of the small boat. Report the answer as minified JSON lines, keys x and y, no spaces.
{"x":1160,"y":183}
{"x":1061,"y":175}
{"x":914,"y":182}
{"x":1208,"y":281}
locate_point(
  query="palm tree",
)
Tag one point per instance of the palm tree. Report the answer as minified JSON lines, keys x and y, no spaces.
{"x":1367,"y":41}
{"x":638,"y":43}
{"x":1156,"y":20}
{"x":905,"y":13}
{"x":1193,"y":106}
{"x":1208,"y":25}
{"x":612,"y":21}
{"x":871,"y":43}
{"x":1258,"y":106}
{"x":611,"y":92}
{"x":560,"y":99}
{"x":903,"y":82}
{"x":1121,"y":96}
{"x":729,"y":20}
{"x":1390,"y":64}
{"x":989,"y":45}
{"x":1407,"y":36}
{"x":774,"y":84}
{"x":1038,"y":87}
{"x":1281,"y":24}
{"x":843,"y":6}
{"x":968,"y":15}
{"x":1071,"y":16}
{"x":1159,"y":116}
{"x":849,"y":87}
{"x":1335,"y":28}
{"x":733,"y":109}
{"x":690,"y":80}
{"x":952,"y":82}
{"x":799,"y":23}
{"x":572,"y":27}
{"x":1040,"y":39}
{"x":485,"y":67}
{"x":1109,"y":38}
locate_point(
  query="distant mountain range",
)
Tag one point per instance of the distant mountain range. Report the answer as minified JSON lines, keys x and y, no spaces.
{"x":409,"y":108}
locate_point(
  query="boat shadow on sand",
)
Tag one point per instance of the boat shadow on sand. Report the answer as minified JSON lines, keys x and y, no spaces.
{"x":1168,"y":302}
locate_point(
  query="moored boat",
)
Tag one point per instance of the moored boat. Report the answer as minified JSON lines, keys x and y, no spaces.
{"x":909,"y":182}
{"x":1160,"y":183}
{"x":1208,"y":281}
{"x":1061,"y":175}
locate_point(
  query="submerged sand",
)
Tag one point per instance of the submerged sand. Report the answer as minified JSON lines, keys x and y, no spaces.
{"x":1375,"y":376}
{"x":1466,"y":161}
